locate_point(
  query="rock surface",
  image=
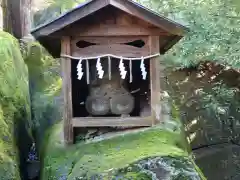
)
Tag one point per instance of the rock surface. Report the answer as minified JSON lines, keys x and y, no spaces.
{"x":14,"y":108}
{"x":219,"y":162}
{"x":208,"y":99}
{"x":149,"y":153}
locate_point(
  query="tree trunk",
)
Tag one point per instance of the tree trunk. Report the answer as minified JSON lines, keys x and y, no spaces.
{"x":26,"y":18}
{"x":7,"y":17}
{"x":1,"y":16}
{"x":17,"y":17}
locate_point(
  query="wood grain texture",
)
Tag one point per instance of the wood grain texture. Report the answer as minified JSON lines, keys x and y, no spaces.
{"x":115,"y":30}
{"x":147,"y":16}
{"x":67,"y":91}
{"x":112,"y":22}
{"x":108,"y":40}
{"x":116,"y":49}
{"x":155,"y":79}
{"x":112,"y":122}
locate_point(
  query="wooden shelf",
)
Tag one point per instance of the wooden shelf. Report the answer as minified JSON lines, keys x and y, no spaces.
{"x":112,"y":122}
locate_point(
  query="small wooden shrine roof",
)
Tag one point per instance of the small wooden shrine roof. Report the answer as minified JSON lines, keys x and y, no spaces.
{"x":46,"y":33}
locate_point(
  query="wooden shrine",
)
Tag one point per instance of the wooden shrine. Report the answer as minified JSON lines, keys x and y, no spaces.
{"x":110,"y":52}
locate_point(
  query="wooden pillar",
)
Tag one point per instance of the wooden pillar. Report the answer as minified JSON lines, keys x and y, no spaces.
{"x":155,"y":79}
{"x":67,"y":91}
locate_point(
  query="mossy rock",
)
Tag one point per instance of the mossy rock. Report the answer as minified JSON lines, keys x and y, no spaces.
{"x":14,"y":105}
{"x":108,"y":158}
{"x":45,"y":87}
{"x":166,"y":167}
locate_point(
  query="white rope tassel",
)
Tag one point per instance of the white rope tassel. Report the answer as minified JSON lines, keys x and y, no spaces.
{"x":143,"y":69}
{"x":130,"y":69}
{"x":87,"y":69}
{"x":79,"y":70}
{"x":109,"y":68}
{"x":123,"y":72}
{"x":99,"y":69}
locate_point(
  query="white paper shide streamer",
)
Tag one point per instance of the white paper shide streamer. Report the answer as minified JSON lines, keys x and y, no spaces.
{"x":122,"y":69}
{"x":79,"y":70}
{"x":123,"y":72}
{"x":143,"y":69}
{"x":99,"y":69}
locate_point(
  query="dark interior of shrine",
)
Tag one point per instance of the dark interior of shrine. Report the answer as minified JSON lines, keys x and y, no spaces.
{"x":139,"y":88}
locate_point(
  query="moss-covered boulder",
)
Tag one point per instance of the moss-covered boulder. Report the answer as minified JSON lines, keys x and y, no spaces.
{"x":149,"y":153}
{"x":45,"y":87}
{"x":14,"y":106}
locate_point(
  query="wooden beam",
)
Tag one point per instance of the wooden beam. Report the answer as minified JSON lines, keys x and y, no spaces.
{"x":116,"y":49}
{"x":67,"y":91}
{"x":115,"y":30}
{"x":110,"y":40}
{"x":155,"y":79}
{"x":112,"y":122}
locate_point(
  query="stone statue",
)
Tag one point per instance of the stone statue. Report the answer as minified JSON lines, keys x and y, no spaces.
{"x":108,"y":97}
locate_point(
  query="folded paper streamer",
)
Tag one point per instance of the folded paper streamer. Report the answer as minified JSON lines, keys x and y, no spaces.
{"x":99,"y":69}
{"x":143,"y":69}
{"x":79,"y":70}
{"x":123,"y":72}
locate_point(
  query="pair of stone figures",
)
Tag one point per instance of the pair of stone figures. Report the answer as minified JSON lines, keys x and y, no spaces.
{"x":109,"y":97}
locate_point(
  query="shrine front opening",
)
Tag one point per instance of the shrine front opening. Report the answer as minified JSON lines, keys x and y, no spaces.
{"x":111,"y":96}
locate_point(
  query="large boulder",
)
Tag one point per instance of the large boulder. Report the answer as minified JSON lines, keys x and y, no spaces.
{"x":219,"y":162}
{"x":45,"y":87}
{"x":208,"y":98}
{"x":148,"y":153}
{"x":14,"y":108}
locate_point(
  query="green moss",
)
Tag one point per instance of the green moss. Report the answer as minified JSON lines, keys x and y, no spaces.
{"x":14,"y":104}
{"x":42,"y":67}
{"x":165,"y":167}
{"x":45,"y":85}
{"x":132,"y":176}
{"x":88,"y":159}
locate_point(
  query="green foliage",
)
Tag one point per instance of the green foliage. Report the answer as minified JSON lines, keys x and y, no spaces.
{"x":208,"y":102}
{"x":220,"y":101}
{"x":214,"y":31}
{"x":14,"y":104}
{"x":55,"y":9}
{"x":64,"y":4}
